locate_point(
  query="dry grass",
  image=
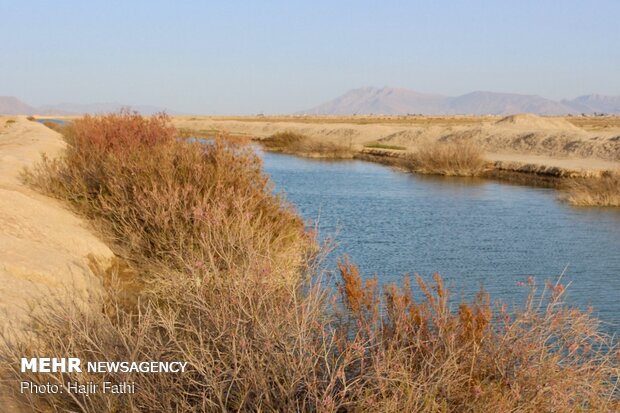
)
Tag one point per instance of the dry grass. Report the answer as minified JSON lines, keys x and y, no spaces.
{"x":603,"y":191}
{"x":55,"y":126}
{"x":596,"y":123}
{"x":231,"y":287}
{"x":298,"y":144}
{"x":420,"y":120}
{"x":450,"y":159}
{"x":214,"y":134}
{"x":379,"y":145}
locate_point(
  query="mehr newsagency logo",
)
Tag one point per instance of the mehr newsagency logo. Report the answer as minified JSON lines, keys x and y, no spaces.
{"x":75,"y":365}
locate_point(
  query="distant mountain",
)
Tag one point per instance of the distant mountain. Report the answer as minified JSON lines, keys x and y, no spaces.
{"x":595,"y":103}
{"x":394,"y":101}
{"x":386,"y":100}
{"x":10,"y":105}
{"x":482,"y":103}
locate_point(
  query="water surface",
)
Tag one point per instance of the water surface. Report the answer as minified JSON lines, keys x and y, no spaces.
{"x":470,"y":231}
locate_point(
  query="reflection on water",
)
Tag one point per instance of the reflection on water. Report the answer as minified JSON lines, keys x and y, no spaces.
{"x":470,"y":231}
{"x":60,"y":122}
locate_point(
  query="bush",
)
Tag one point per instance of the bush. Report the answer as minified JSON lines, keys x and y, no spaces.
{"x":603,"y":191}
{"x":54,"y":126}
{"x":257,"y":346}
{"x":170,"y":201}
{"x":451,"y":159}
{"x":414,"y":352}
{"x":298,"y":144}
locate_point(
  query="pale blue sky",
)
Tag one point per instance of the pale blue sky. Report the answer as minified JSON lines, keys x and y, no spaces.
{"x":284,"y":56}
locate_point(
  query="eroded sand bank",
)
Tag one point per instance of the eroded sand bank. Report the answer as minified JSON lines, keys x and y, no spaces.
{"x":44,"y":247}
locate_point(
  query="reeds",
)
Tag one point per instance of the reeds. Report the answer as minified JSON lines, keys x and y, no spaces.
{"x":603,"y":191}
{"x":231,"y":287}
{"x":450,"y":159}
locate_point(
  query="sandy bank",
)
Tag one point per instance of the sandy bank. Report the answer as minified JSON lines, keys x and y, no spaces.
{"x":521,"y":142}
{"x":43,"y":246}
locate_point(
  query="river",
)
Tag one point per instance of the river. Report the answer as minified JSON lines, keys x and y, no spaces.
{"x":471,"y":231}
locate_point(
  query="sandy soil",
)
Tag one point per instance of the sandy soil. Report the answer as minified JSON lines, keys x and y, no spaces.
{"x":584,"y":144}
{"x":43,"y":246}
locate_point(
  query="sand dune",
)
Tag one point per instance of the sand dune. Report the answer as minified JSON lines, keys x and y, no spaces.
{"x":533,"y":122}
{"x":43,"y":246}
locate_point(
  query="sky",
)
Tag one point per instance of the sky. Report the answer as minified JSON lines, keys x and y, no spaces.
{"x":247,"y":57}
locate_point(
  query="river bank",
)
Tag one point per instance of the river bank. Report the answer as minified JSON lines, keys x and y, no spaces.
{"x":521,"y":144}
{"x":44,"y":247}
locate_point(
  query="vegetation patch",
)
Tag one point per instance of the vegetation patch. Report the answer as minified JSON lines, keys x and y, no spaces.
{"x":213,"y":134}
{"x":450,"y":159}
{"x":302,"y":145}
{"x":384,"y":146}
{"x":55,"y":126}
{"x":603,"y":191}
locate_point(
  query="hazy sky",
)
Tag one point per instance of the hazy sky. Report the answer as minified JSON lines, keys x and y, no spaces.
{"x":283,"y":56}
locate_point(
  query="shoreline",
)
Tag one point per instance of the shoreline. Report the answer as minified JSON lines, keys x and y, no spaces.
{"x":521,"y":148}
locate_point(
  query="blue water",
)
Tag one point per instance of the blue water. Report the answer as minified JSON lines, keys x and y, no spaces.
{"x":51,"y":120}
{"x":470,"y":231}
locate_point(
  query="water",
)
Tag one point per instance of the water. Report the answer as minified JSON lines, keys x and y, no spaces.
{"x":470,"y":231}
{"x":59,"y":122}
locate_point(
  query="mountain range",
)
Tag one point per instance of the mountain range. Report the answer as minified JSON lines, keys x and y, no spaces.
{"x":10,"y":105}
{"x":378,"y":101}
{"x":398,"y":101}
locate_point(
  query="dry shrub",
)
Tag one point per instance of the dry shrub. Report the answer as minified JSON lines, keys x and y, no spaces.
{"x":450,"y":159}
{"x":414,"y":352}
{"x":56,"y":127}
{"x":212,"y":135}
{"x":298,"y":144}
{"x":260,"y":346}
{"x":283,"y":140}
{"x":246,"y":345}
{"x":232,"y":291}
{"x":186,"y":205}
{"x":603,"y":191}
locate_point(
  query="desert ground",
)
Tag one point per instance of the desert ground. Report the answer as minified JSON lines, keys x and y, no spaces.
{"x":574,"y":146}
